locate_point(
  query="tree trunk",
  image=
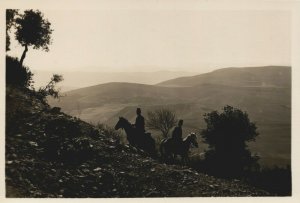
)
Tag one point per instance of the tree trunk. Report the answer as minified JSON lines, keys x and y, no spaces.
{"x":23,"y":55}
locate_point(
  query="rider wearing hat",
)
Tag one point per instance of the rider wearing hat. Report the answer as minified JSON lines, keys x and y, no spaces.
{"x":177,"y":133}
{"x":139,"y":122}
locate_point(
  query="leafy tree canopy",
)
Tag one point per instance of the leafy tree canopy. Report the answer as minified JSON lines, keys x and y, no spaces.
{"x":226,"y":134}
{"x":33,"y":30}
{"x":229,"y":129}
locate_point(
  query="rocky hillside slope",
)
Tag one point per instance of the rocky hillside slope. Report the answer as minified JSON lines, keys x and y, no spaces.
{"x":51,"y":154}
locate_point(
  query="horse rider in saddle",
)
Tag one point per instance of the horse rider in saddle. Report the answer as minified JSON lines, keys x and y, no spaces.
{"x":177,"y":135}
{"x":139,"y":122}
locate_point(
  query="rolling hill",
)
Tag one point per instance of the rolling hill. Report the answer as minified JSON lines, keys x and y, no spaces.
{"x":250,"y":76}
{"x":71,"y":79}
{"x":264,"y":92}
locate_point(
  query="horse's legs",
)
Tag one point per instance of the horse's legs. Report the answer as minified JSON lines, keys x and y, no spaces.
{"x":165,"y":154}
{"x":162,"y":153}
{"x":169,"y":157}
{"x":185,"y":159}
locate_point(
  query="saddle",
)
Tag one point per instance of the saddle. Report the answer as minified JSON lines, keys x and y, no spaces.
{"x":176,"y":143}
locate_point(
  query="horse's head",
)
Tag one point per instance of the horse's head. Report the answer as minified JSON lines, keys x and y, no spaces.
{"x":120,"y":123}
{"x":193,"y":139}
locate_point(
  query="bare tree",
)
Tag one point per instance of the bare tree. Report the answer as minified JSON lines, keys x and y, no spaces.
{"x":161,"y":119}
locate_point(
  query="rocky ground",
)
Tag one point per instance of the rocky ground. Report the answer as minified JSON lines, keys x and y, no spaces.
{"x":51,"y":154}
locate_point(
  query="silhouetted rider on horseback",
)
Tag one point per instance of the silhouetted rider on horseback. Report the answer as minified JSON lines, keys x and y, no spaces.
{"x":139,"y":122}
{"x":177,"y":134}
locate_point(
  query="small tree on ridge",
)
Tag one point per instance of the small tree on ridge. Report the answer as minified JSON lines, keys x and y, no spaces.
{"x":49,"y":89}
{"x":33,"y":30}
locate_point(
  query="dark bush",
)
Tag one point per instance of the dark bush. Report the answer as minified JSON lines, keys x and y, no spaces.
{"x":16,"y":74}
{"x":226,"y":134}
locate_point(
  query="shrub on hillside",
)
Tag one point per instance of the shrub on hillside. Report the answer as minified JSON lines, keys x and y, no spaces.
{"x":50,"y":88}
{"x":226,"y":134}
{"x":16,"y":74}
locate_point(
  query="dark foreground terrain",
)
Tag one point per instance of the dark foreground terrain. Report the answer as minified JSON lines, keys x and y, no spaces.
{"x":51,"y":154}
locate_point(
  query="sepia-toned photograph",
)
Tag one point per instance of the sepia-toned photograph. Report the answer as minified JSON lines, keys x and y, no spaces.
{"x":147,"y":101}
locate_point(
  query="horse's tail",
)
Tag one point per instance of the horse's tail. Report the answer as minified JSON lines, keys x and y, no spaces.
{"x":152,"y":147}
{"x":161,"y":148}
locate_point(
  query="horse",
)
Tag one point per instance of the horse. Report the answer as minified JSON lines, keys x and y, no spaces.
{"x":144,"y":141}
{"x":168,"y":147}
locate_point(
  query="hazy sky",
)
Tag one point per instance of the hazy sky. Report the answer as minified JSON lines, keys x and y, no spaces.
{"x":151,"y":40}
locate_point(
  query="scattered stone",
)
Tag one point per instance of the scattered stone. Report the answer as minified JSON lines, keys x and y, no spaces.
{"x":33,"y":143}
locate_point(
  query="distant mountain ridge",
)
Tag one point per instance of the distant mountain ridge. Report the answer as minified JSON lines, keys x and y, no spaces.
{"x":279,"y":76}
{"x":75,"y":80}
